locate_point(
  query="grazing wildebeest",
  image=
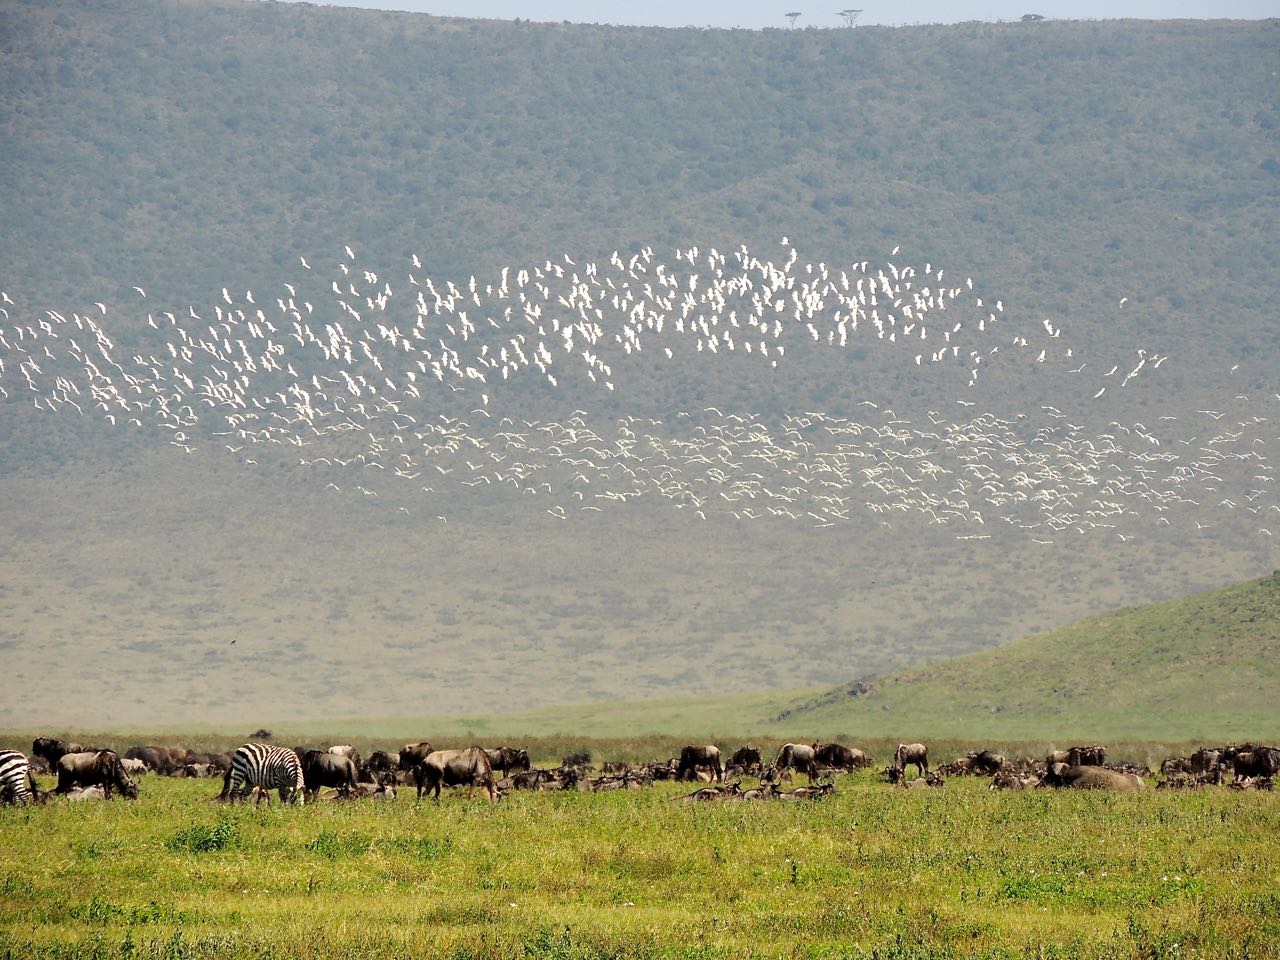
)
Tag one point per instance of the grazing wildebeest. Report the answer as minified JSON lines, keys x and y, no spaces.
{"x":378,"y":766}
{"x":348,"y":751}
{"x":840,"y":756}
{"x":1252,"y":760}
{"x":468,"y":768}
{"x":412,"y":754}
{"x":155,"y":759}
{"x":746,"y":759}
{"x":258,"y":766}
{"x":508,"y":759}
{"x":694,"y":758}
{"x":1088,"y":777}
{"x":1091,"y":756}
{"x":324,"y":769}
{"x":17,"y":784}
{"x":800,"y":757}
{"x":52,"y":749}
{"x":1206,"y":760}
{"x":916,"y":753}
{"x":91,"y":769}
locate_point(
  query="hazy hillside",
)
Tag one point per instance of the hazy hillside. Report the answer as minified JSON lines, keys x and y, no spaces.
{"x":1115,"y":182}
{"x":1206,"y":666}
{"x":183,"y":146}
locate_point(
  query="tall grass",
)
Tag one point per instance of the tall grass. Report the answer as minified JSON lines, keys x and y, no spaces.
{"x":874,"y":871}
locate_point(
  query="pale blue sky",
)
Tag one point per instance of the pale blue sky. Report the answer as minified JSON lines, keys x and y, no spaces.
{"x":822,"y":13}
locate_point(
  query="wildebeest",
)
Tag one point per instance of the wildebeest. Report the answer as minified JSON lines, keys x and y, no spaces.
{"x":975,"y":763}
{"x":134,"y":768}
{"x":52,"y":749}
{"x":661,"y":769}
{"x":746,"y":760}
{"x":766,"y":791}
{"x":1254,"y":783}
{"x":1206,"y":760}
{"x":348,"y":751}
{"x":1009,"y":780}
{"x":87,"y":793}
{"x":1252,"y":760}
{"x":800,"y":757}
{"x":815,"y":791}
{"x":712,"y":793}
{"x":221,"y":762}
{"x":561,"y":778}
{"x":468,"y":768}
{"x":1086,"y":777}
{"x":839,"y":756}
{"x":412,"y":754}
{"x":155,"y":758}
{"x":627,"y":780}
{"x":378,"y":765}
{"x":90,"y":769}
{"x":1174,"y":766}
{"x":695,"y":758}
{"x":324,"y":769}
{"x":1090,"y":756}
{"x":380,"y":790}
{"x":508,"y":759}
{"x":915,"y":753}
{"x":196,"y":770}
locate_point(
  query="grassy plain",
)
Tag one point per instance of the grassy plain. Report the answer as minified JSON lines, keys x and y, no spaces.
{"x":172,"y":591}
{"x":874,"y":871}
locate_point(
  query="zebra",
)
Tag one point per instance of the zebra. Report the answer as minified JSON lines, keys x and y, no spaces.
{"x":270,"y":768}
{"x":15,"y":774}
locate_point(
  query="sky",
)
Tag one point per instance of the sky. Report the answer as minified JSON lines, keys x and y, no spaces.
{"x":755,"y":14}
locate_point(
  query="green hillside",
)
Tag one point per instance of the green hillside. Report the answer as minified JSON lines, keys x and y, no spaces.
{"x":1207,"y":666}
{"x":183,"y":146}
{"x":1202,"y":668}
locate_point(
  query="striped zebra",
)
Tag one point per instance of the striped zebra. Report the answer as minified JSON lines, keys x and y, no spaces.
{"x":16,"y":783}
{"x":271,"y":768}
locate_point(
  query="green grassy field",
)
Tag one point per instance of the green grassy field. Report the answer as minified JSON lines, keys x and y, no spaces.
{"x":874,"y":871}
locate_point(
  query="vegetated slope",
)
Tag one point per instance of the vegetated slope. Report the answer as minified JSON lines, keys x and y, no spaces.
{"x":1208,"y":666}
{"x":185,"y":146}
{"x":178,"y":590}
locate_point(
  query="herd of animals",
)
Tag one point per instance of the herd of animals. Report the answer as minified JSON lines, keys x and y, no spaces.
{"x":254,"y":770}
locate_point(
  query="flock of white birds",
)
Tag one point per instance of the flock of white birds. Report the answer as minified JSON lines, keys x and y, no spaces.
{"x":376,"y":382}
